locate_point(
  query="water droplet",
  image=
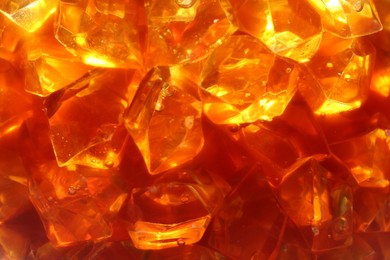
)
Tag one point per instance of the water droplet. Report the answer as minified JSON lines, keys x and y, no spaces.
{"x":109,"y":163}
{"x":358,"y":5}
{"x":288,"y":70}
{"x":72,"y":190}
{"x":215,"y":20}
{"x":185,"y":3}
{"x":181,"y":242}
{"x":329,"y":65}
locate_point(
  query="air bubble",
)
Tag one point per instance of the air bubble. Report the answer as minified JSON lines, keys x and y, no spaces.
{"x":358,"y":5}
{"x":315,"y":230}
{"x":181,"y":242}
{"x":185,"y":3}
{"x":189,"y":122}
{"x":72,"y":190}
{"x":109,"y":163}
{"x":184,"y":198}
{"x":340,"y":225}
{"x":159,"y":107}
{"x":288,"y":70}
{"x":234,"y":128}
{"x":347,"y":77}
{"x":167,"y":90}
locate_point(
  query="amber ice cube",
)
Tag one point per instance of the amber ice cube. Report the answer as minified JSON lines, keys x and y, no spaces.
{"x":175,"y":209}
{"x":339,"y":75}
{"x":105,"y":33}
{"x":28,"y":14}
{"x":76,"y":204}
{"x":290,"y":29}
{"x":164,"y":119}
{"x":280,"y":143}
{"x":243,"y":82}
{"x":84,"y":135}
{"x":14,"y":101}
{"x":18,"y":246}
{"x":48,"y":67}
{"x":320,"y":204}
{"x":349,"y":19}
{"x":249,"y":223}
{"x":371,"y":209}
{"x":368,"y":157}
{"x":185,"y":30}
{"x":13,"y":185}
{"x":380,"y":81}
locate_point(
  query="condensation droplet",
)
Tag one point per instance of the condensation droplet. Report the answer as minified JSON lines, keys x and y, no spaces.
{"x":358,"y":5}
{"x":72,"y":190}
{"x":109,"y":163}
{"x":288,"y":70}
{"x":185,"y":3}
{"x":181,"y":242}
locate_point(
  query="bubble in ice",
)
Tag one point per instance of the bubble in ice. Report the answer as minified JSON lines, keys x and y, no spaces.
{"x":358,"y":5}
{"x":181,"y":242}
{"x":185,"y":3}
{"x":72,"y":190}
